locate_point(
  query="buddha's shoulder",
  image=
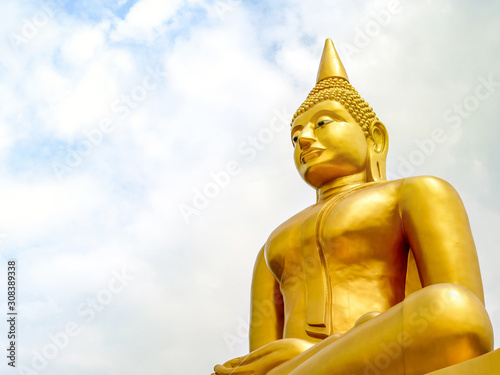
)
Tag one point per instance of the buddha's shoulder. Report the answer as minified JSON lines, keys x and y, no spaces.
{"x":412,"y":185}
{"x":285,"y":238}
{"x":424,"y":187}
{"x":289,"y":228}
{"x":417,"y":193}
{"x":416,"y":182}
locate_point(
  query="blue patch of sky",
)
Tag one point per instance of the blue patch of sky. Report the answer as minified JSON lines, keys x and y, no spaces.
{"x":35,"y":154}
{"x":37,"y":158}
{"x":260,"y":6}
{"x":123,"y":9}
{"x":185,"y":18}
{"x":265,"y":16}
{"x":96,"y":10}
{"x":178,"y":27}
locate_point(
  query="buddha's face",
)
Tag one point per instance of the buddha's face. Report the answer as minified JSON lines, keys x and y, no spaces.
{"x":329,"y":144}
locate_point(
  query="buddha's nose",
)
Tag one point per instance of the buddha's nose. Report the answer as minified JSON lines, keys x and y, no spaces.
{"x":306,"y":137}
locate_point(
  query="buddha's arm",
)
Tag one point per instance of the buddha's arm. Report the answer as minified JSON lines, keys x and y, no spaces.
{"x":266,"y":312}
{"x":268,"y":349}
{"x":437,"y":229}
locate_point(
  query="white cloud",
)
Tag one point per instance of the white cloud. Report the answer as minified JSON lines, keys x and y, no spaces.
{"x":36,"y":211}
{"x":225,"y":79}
{"x":81,"y":46}
{"x":145,"y":18}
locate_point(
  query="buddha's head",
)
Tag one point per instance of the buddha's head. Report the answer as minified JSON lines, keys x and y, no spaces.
{"x":335,"y":133}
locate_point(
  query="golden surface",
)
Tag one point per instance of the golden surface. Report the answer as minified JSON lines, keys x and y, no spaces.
{"x":487,"y":364}
{"x":377,"y":277}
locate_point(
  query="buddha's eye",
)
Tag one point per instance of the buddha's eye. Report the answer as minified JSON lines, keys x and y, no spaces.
{"x":323,"y":122}
{"x":295,"y":137}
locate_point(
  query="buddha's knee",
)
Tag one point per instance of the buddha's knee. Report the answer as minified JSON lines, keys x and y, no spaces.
{"x":452,"y":318}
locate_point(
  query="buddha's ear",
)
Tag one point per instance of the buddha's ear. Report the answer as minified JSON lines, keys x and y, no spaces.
{"x":378,"y":145}
{"x":379,"y":136}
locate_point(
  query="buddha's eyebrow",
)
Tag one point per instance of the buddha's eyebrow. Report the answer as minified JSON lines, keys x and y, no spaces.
{"x":334,"y":116}
{"x":296,"y":127}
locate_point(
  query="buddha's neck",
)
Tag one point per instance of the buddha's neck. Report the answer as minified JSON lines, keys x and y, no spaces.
{"x":340,"y":184}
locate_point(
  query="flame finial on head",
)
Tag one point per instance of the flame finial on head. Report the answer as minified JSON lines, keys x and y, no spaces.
{"x":330,"y":65}
{"x":333,"y":84}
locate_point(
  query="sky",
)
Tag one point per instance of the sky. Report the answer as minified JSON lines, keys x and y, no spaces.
{"x":145,"y":157}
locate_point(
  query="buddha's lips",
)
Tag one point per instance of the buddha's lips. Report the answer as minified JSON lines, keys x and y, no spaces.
{"x":309,"y":155}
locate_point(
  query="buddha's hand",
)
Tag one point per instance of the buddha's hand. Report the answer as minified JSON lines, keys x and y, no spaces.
{"x":264,"y":359}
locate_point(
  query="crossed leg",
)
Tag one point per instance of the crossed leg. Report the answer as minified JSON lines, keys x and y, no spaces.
{"x":436,"y":327}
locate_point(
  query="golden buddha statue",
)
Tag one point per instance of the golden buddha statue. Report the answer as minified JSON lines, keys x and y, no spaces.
{"x":377,"y":277}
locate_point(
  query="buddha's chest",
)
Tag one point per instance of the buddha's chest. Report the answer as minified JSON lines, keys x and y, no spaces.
{"x":333,"y":256}
{"x":347,"y":233}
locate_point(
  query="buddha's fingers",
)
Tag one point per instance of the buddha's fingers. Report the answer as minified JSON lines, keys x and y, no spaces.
{"x":366,"y":317}
{"x":260,"y":367}
{"x":234,"y":362}
{"x":241,"y":370}
{"x":256,"y":355}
